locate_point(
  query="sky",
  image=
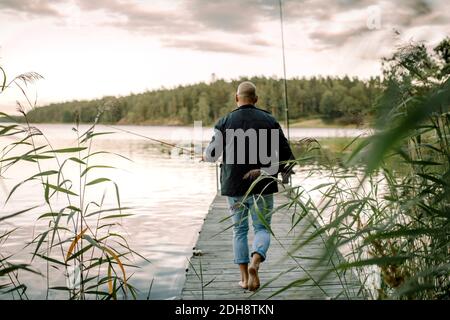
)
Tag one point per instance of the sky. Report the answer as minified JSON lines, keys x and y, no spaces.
{"x":91,"y":48}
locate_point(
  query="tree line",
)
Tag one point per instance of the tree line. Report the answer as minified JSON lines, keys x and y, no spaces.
{"x":343,"y":99}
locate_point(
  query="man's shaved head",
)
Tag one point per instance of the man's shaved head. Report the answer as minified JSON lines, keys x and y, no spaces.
{"x":246,"y":89}
{"x":246,"y":93}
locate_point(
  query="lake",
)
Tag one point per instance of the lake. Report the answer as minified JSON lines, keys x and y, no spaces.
{"x":170,"y":196}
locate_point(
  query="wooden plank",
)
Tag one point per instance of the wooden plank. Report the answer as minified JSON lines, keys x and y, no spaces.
{"x":220,"y":275}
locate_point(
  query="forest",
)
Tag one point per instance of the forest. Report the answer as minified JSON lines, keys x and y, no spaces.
{"x":341,"y":100}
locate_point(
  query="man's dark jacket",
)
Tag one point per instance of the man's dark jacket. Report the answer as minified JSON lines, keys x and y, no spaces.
{"x":232,"y":174}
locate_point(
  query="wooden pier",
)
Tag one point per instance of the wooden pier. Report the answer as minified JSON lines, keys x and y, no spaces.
{"x":213,"y":275}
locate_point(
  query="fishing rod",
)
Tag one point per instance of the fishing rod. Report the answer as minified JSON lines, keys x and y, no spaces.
{"x":288,"y":178}
{"x":151,"y":139}
{"x":286,"y":106}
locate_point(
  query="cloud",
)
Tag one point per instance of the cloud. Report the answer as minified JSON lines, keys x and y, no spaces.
{"x":35,"y":8}
{"x":332,"y":38}
{"x":329,"y":24}
{"x":234,"y":16}
{"x":260,"y":42}
{"x":194,"y":18}
{"x":209,"y":46}
{"x":345,"y":23}
{"x":134,"y":16}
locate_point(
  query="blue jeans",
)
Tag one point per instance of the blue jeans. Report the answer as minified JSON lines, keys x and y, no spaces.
{"x":259,"y":206}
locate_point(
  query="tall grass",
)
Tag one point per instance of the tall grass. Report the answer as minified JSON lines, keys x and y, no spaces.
{"x":80,"y":241}
{"x":389,"y":227}
{"x":396,"y":222}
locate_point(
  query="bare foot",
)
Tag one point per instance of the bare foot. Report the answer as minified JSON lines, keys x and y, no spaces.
{"x":243,"y":284}
{"x":253,"y":279}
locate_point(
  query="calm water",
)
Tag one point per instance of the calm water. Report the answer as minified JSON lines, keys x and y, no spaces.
{"x":170,"y":196}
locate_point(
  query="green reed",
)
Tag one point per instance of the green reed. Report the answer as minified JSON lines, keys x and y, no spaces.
{"x":397,"y":221}
{"x":81,"y":244}
{"x":386,"y":224}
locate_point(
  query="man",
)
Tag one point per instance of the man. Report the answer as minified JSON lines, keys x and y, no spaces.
{"x":252,"y":144}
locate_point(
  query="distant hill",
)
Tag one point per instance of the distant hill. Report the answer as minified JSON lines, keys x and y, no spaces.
{"x":346,"y":100}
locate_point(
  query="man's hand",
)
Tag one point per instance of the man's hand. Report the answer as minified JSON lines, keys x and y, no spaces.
{"x":252,"y":174}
